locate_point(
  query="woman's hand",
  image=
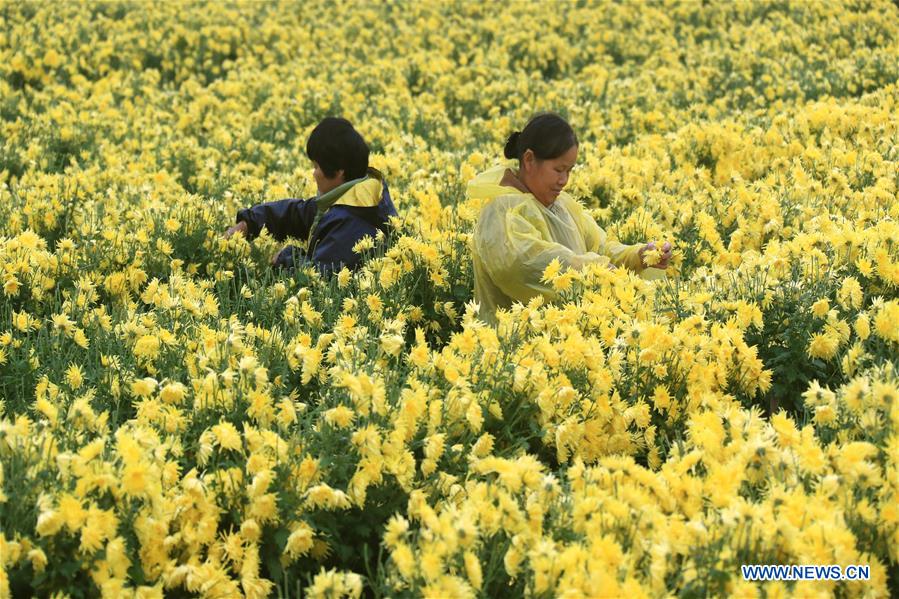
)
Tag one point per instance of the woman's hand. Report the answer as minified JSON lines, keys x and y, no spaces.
{"x":240,"y":227}
{"x":658,"y":257}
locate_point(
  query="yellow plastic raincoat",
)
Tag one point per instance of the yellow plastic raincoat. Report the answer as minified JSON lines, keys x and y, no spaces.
{"x":516,"y":237}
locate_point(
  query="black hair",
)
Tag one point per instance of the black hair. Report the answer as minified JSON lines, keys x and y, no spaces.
{"x":335,"y":145}
{"x":547,"y":135}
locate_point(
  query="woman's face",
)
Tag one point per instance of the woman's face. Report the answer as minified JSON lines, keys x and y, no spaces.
{"x":547,"y":178}
{"x":326,"y":184}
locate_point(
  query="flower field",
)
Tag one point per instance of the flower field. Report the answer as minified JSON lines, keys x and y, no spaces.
{"x":177,"y":419}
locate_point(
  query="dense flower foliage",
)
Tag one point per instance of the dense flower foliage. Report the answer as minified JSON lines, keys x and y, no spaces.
{"x":178,"y":419}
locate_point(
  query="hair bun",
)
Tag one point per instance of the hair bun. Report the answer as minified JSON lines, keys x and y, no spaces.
{"x":511,"y":149}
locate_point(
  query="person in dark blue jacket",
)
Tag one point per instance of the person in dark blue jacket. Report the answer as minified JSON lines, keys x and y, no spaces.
{"x":353,"y":201}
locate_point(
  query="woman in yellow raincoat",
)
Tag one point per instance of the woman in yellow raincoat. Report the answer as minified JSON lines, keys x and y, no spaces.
{"x":529,"y":220}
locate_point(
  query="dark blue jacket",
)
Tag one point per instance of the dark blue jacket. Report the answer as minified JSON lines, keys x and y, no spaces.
{"x":359,"y":212}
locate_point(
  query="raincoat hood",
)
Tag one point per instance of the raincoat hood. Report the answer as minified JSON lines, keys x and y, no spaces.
{"x":365,"y":192}
{"x":486,"y":185}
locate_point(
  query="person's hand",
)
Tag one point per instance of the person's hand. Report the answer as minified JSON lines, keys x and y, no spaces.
{"x":286,"y":257}
{"x":657,"y":257}
{"x":240,"y":227}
